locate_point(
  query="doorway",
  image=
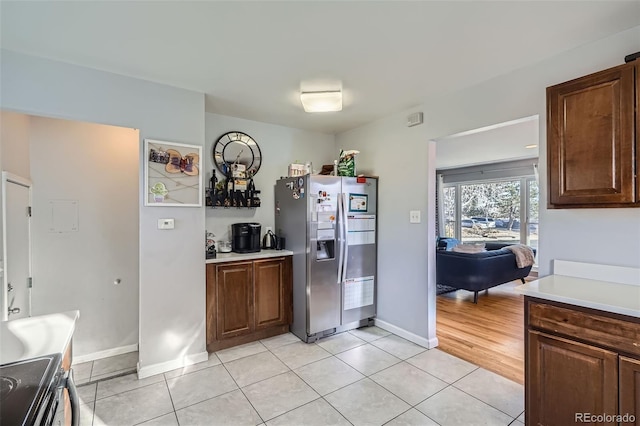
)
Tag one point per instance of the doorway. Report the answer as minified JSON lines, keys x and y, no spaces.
{"x":84,"y":227}
{"x":16,"y":225}
{"x":487,"y":192}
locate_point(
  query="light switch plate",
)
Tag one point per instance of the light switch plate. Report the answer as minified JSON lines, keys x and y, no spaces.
{"x":166,"y":223}
{"x":414,"y":216}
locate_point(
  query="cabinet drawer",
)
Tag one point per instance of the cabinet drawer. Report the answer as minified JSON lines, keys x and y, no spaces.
{"x":623,"y":336}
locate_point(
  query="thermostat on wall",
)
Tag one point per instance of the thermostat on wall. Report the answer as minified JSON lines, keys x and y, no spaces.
{"x":166,"y":223}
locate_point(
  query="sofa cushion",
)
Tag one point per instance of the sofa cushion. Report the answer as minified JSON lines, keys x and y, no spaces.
{"x":469,"y":248}
{"x":446,"y":243}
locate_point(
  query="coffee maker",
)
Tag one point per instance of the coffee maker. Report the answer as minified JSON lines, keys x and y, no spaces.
{"x":245,"y":237}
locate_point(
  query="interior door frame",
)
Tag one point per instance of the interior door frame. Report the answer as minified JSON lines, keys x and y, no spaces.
{"x":10,"y":178}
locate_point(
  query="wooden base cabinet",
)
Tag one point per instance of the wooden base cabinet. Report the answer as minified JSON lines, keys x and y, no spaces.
{"x":234,"y":299}
{"x":569,"y":377}
{"x":574,"y":369}
{"x":630,"y":388}
{"x":248,"y":301}
{"x":271,"y":307}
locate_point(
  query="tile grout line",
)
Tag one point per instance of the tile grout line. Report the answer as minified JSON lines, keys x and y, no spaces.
{"x":303,"y":381}
{"x":486,"y":403}
{"x":411,"y":406}
{"x":93,"y":410}
{"x":166,"y":383}
{"x":323,"y":396}
{"x":365,"y":376}
{"x":240,"y":389}
{"x":289,"y":369}
{"x":461,"y":390}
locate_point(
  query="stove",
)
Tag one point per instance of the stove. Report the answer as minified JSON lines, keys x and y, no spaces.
{"x":28,"y":390}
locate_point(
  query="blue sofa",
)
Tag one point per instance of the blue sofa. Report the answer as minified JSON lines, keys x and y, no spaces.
{"x":477,"y":271}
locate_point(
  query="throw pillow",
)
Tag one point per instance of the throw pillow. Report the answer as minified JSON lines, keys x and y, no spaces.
{"x":470,"y":248}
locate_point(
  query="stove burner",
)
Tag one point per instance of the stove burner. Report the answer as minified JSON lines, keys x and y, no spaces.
{"x":7,"y":385}
{"x":26,"y":389}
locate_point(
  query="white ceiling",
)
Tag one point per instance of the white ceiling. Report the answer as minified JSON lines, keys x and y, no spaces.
{"x":501,"y":142}
{"x":251,"y":58}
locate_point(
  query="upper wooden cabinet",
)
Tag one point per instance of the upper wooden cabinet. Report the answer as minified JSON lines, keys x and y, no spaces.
{"x":592,"y":141}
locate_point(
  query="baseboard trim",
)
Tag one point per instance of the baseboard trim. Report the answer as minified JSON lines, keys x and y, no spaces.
{"x":163,"y":367}
{"x":418,"y":340}
{"x":105,"y":354}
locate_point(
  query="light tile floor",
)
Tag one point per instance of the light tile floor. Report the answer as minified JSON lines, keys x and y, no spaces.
{"x":105,"y":368}
{"x":362,"y":377}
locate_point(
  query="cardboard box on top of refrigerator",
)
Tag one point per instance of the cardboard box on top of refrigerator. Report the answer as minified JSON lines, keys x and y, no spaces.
{"x":296,"y":170}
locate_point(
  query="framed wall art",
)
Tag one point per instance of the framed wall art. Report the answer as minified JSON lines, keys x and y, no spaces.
{"x":172,"y":174}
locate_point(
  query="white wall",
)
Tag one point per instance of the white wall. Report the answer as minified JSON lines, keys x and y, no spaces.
{"x":398,"y":155}
{"x":96,"y":165}
{"x":14,"y":149}
{"x":280,"y":146}
{"x":172,"y":273}
{"x":606,"y":236}
{"x":14,"y":143}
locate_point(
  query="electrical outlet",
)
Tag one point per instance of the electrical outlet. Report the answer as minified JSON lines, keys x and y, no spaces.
{"x":414,"y":216}
{"x":268,"y":229}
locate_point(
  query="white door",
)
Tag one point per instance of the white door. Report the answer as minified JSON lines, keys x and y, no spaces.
{"x":16,"y":199}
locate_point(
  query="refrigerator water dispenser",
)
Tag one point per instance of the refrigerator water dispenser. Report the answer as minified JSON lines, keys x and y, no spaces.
{"x":325,"y":250}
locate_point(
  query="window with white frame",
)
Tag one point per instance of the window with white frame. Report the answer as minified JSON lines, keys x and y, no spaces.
{"x":496,"y":202}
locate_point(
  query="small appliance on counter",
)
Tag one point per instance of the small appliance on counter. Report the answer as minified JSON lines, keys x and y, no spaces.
{"x":245,"y":237}
{"x":270,"y":241}
{"x":224,"y":246}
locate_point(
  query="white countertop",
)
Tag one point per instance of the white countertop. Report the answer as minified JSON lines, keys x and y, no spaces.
{"x":262,"y":254}
{"x":602,"y":295}
{"x":31,"y":337}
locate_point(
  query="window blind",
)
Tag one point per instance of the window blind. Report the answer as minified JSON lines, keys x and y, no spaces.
{"x":492,"y":171}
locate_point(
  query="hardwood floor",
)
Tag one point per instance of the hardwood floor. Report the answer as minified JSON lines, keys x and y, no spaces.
{"x":489,"y":334}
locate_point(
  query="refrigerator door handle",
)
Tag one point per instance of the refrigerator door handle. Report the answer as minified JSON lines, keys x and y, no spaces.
{"x":340,"y":238}
{"x":345,"y":225}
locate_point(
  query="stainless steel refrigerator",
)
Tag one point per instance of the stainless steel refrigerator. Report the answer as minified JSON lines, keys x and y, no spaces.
{"x":330,"y":225}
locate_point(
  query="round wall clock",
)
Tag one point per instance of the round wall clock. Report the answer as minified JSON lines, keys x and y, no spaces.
{"x":237,"y":148}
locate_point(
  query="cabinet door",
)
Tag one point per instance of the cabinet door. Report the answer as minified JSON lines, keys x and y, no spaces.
{"x":566,"y":378}
{"x":234,"y":299}
{"x":590,"y":139}
{"x":211,"y":308}
{"x":270,"y":293}
{"x":630,"y":390}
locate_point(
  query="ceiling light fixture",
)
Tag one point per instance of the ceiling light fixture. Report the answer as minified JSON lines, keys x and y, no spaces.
{"x":321,"y":101}
{"x":533,"y":145}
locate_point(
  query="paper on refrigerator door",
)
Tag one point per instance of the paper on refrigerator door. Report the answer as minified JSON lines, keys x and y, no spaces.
{"x":356,"y":238}
{"x":362,"y":229}
{"x":358,"y":292}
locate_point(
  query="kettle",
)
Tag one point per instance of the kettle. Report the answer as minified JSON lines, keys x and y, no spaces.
{"x":270,"y":240}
